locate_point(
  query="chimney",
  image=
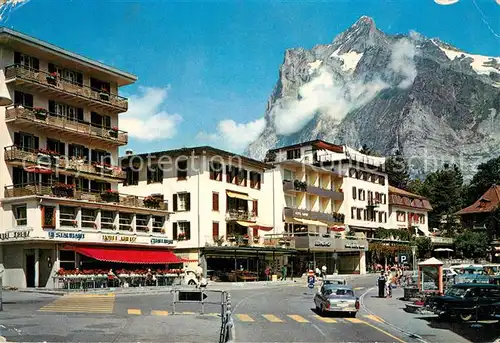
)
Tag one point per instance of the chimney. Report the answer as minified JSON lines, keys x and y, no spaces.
{"x":129,"y":152}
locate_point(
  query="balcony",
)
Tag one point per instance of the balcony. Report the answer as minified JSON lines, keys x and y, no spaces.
{"x":235,"y":215}
{"x":299,"y":186}
{"x":54,"y":84}
{"x":67,"y":192}
{"x":54,"y":123}
{"x":314,"y":215}
{"x":23,"y":157}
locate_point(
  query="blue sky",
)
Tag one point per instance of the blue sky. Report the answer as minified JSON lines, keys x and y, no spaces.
{"x":207,"y":68}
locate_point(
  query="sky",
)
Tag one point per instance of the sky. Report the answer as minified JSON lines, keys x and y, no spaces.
{"x":207,"y":68}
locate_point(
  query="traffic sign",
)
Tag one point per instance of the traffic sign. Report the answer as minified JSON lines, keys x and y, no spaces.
{"x":311,"y":279}
{"x":311,"y":285}
{"x":403,"y":258}
{"x":191,"y":296}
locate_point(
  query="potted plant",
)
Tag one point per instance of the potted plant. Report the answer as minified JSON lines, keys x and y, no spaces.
{"x":52,"y":78}
{"x":63,"y":190}
{"x":256,"y":239}
{"x":181,"y":236}
{"x":40,"y":113}
{"x":110,"y":195}
{"x":152,"y":202}
{"x":104,"y":94}
{"x":300,"y":185}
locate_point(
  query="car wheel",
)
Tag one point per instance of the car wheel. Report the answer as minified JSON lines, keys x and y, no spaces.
{"x":466,"y":316}
{"x":192,"y":283}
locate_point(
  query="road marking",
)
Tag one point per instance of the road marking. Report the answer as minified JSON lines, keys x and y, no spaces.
{"x":187,"y":312}
{"x":354,"y":320}
{"x":272,"y":318}
{"x":244,"y":318}
{"x":82,"y":303}
{"x":134,"y":311}
{"x":324,"y":319}
{"x":298,"y":318}
{"x":159,"y":313}
{"x":374,"y":318}
{"x":212,"y":314}
{"x":358,"y":288}
{"x":384,"y":332}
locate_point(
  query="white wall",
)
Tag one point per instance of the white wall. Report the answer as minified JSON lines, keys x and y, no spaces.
{"x":395,"y":224}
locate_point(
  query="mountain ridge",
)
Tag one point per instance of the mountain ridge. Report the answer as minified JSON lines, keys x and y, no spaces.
{"x":432,"y":101}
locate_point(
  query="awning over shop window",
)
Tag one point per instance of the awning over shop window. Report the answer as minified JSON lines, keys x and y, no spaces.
{"x":238,"y":196}
{"x":243,"y":223}
{"x":262,"y":227}
{"x":309,"y":222}
{"x":128,"y":255}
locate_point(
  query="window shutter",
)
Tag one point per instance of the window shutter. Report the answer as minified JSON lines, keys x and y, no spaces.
{"x":215,"y":229}
{"x":28,"y":100}
{"x":62,"y":147}
{"x":79,"y":79}
{"x":174,"y":231}
{"x":36,"y":63}
{"x":18,"y":98}
{"x":354,"y":193}
{"x":79,"y":114}
{"x":174,"y":202}
{"x":37,"y":142}
{"x":188,"y":201}
{"x":188,"y":231}
{"x":17,"y":57}
{"x":17,"y":138}
{"x":215,"y":201}
{"x":255,"y":207}
{"x":52,"y":68}
{"x":52,"y":106}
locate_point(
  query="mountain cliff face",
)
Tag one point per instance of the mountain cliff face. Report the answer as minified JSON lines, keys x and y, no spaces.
{"x":428,"y":99}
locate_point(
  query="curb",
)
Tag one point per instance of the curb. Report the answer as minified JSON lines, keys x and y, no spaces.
{"x":397,"y":328}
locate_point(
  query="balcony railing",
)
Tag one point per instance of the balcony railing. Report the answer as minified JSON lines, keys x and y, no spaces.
{"x":57,"y":191}
{"x":57,"y":121}
{"x":66,"y":86}
{"x":60,"y":163}
{"x":314,"y":215}
{"x":241,"y":215}
{"x":300,"y":186}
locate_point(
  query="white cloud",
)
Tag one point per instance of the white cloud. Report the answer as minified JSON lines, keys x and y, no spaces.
{"x":235,"y":136}
{"x":145,"y":118}
{"x":402,"y":54}
{"x":324,"y":95}
{"x":445,"y":2}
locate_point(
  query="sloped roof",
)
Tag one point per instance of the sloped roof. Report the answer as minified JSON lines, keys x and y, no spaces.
{"x":488,"y":202}
{"x":400,"y":197}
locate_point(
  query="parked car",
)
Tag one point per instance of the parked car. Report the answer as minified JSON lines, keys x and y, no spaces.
{"x":465,"y":301}
{"x":334,"y":280}
{"x":336,"y":298}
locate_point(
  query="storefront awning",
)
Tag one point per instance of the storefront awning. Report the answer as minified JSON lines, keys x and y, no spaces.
{"x":262,"y":227}
{"x":243,"y":223}
{"x":238,"y":196}
{"x":128,"y":255}
{"x":309,"y":222}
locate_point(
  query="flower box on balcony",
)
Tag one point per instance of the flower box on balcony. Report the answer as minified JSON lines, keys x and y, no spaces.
{"x":152,"y":202}
{"x":63,"y":190}
{"x":40,"y":113}
{"x":110,"y":196}
{"x":113,"y":132}
{"x":52,"y":78}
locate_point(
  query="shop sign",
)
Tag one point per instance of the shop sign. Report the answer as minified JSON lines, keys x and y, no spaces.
{"x":161,"y":241}
{"x":354,"y":246}
{"x":322,"y":244}
{"x":14,"y":235}
{"x":67,"y":235}
{"x":301,"y":214}
{"x":116,"y":238}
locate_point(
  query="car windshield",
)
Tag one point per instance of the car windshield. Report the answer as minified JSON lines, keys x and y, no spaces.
{"x":346,"y":292}
{"x":456,"y":291}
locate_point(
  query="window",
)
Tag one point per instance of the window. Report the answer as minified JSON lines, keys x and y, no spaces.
{"x":360,"y":194}
{"x":82,"y":184}
{"x":352,"y":172}
{"x":242,"y":177}
{"x":215,"y":201}
{"x":290,"y":201}
{"x":288,"y":175}
{"x":381,"y":180}
{"x":125,"y":221}
{"x":359,"y":213}
{"x":421,"y":218}
{"x":132,"y":177}
{"x":88,"y":218}
{"x":182,"y":170}
{"x":26,"y":141}
{"x":155,"y":174}
{"x":365,"y":214}
{"x":400,"y":216}
{"x":23,"y":99}
{"x":66,"y":111}
{"x":215,"y":171}
{"x":255,"y":180}
{"x":181,"y":231}
{"x":141,"y":222}
{"x":353,"y":212}
{"x":99,"y":186}
{"x":20,"y":215}
{"x":374,"y":218}
{"x":255,"y":207}
{"x":26,"y":61}
{"x":158,"y":223}
{"x":182,"y":202}
{"x":57,"y":146}
{"x":99,"y":86}
{"x":67,"y":259}
{"x":67,"y":216}
{"x":48,"y":217}
{"x":293,"y":154}
{"x":354,"y":193}
{"x":107,"y":220}
{"x":385,"y":217}
{"x":380,"y":217}
{"x":100,"y":121}
{"x":100,"y":156}
{"x":78,"y":151}
{"x":215,"y":229}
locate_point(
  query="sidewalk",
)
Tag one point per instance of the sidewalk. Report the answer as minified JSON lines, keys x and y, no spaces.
{"x":425,"y":327}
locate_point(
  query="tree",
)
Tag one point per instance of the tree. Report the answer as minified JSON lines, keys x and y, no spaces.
{"x":487,"y":174}
{"x":472,"y":244}
{"x":424,"y":246}
{"x":365,"y":150}
{"x":443,"y":188}
{"x":397,"y":170}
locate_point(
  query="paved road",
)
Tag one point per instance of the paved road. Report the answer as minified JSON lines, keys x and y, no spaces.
{"x":266,"y":314}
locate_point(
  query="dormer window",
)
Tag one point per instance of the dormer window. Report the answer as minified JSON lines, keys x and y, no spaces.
{"x":293,"y":154}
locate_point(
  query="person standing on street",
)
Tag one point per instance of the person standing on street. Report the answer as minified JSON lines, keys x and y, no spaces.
{"x":381,"y":281}
{"x":323,"y":272}
{"x":283,"y":273}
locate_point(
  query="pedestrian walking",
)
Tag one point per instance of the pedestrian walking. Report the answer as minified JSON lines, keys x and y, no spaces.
{"x":381,"y":281}
{"x":317,"y":272}
{"x":267,"y":272}
{"x":283,"y":273}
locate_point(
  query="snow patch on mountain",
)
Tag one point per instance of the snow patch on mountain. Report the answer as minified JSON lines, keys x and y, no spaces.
{"x":350,"y":59}
{"x":314,"y":66}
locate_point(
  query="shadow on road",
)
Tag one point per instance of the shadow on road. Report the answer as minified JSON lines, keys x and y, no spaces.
{"x":330,"y":314}
{"x":485,"y":332}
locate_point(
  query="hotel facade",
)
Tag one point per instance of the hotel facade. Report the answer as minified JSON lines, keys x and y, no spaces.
{"x":60,"y":207}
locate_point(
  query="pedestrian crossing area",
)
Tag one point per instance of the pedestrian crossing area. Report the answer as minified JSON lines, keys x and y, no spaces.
{"x":82,"y":303}
{"x":302,"y":319}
